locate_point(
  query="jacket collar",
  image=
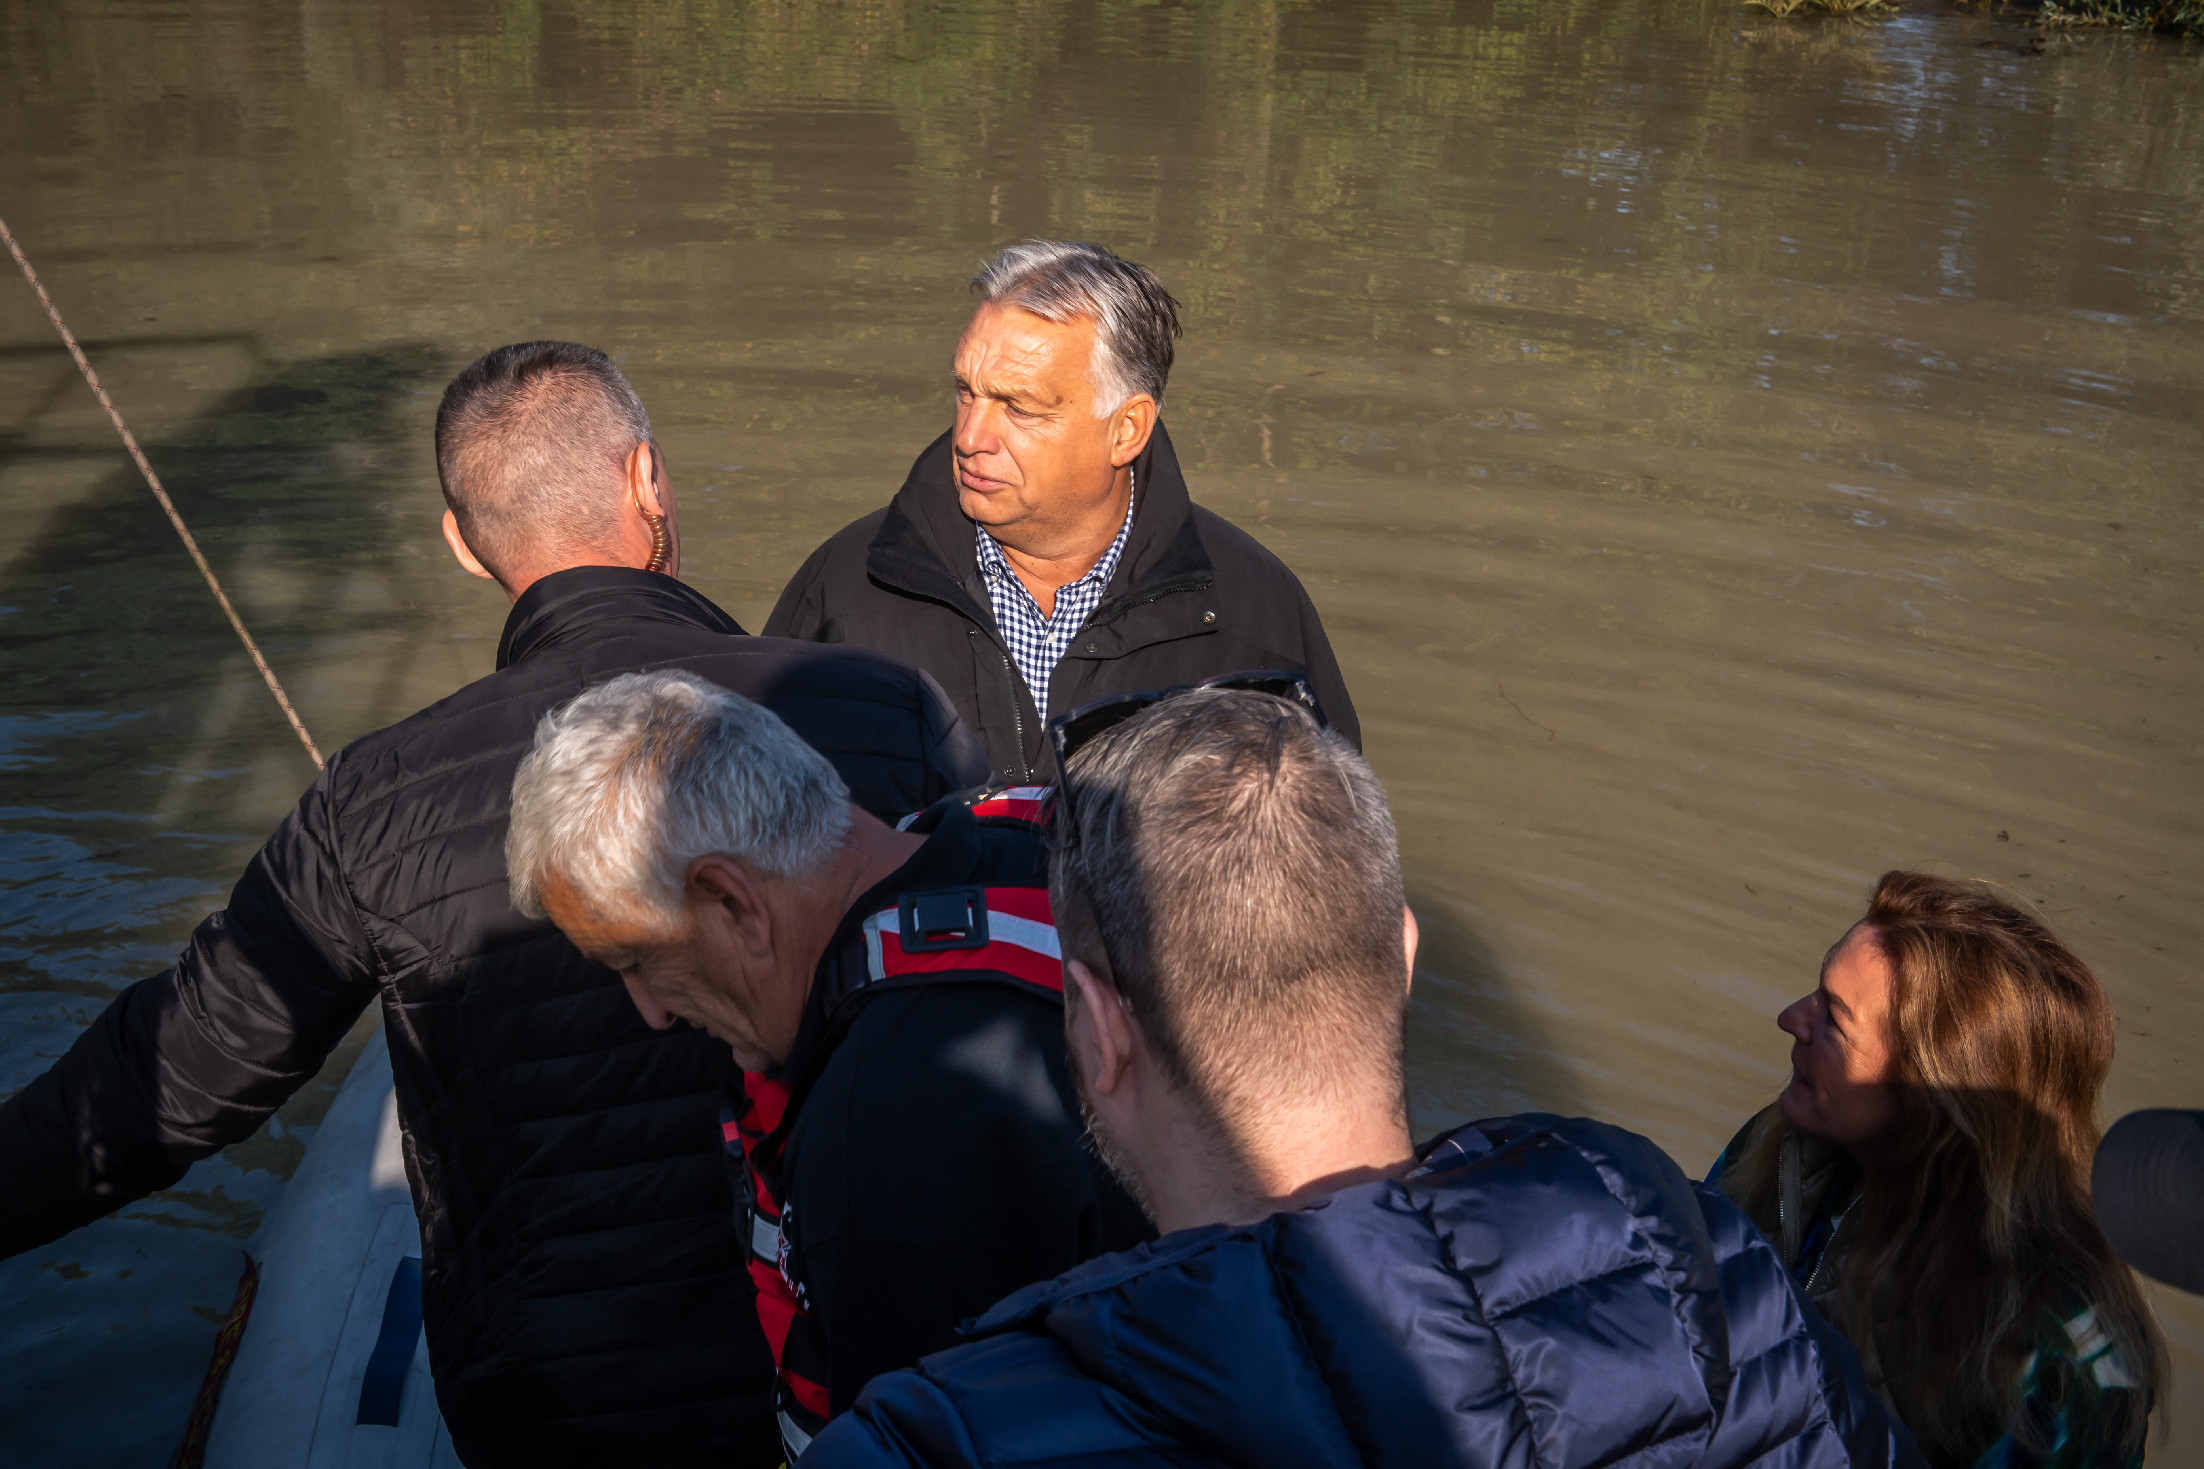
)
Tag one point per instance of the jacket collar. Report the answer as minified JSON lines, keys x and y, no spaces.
{"x":567,"y":604}
{"x":925,"y":545}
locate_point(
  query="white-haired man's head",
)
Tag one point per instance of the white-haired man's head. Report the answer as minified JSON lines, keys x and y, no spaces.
{"x":638,"y":777}
{"x":686,"y":837}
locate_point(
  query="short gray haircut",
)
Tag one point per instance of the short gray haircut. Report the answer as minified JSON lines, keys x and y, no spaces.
{"x":631,"y":781}
{"x":530,"y":444}
{"x":1235,"y":865}
{"x":1135,"y":319}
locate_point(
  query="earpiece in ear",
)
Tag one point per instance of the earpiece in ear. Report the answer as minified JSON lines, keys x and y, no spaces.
{"x":661,"y":543}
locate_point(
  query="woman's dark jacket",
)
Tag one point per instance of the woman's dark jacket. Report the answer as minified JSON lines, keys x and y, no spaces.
{"x":1194,"y":596}
{"x":583,"y":1282}
{"x":2076,"y":1392}
{"x":1540,"y":1293}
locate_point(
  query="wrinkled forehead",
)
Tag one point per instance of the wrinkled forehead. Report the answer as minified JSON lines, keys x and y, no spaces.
{"x":1005,"y":348}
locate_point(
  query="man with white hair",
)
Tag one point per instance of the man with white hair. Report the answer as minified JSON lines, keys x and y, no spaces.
{"x":1043,"y":553}
{"x":909,"y":1138}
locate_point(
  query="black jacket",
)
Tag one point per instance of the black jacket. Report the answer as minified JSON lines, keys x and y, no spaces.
{"x":584,"y":1290}
{"x":932,"y":1158}
{"x":1194,"y":596}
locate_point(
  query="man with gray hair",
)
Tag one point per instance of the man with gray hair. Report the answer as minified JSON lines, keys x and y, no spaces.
{"x":906,"y":1130}
{"x":1521,"y":1291}
{"x":1043,"y":553}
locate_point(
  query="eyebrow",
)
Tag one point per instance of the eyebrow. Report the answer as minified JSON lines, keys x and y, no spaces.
{"x":1831,"y":996}
{"x":1013,"y":396}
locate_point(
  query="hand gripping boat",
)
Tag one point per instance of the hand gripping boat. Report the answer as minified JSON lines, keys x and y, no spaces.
{"x":333,"y":1371}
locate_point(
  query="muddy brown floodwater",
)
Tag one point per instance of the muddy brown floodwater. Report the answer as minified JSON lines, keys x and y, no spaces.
{"x":1733,"y":457}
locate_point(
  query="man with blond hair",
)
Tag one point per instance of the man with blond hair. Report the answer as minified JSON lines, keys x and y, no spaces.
{"x":1522,"y":1291}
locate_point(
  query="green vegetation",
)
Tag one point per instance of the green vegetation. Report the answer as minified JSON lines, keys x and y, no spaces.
{"x":2171,"y":17}
{"x":1834,"y":7}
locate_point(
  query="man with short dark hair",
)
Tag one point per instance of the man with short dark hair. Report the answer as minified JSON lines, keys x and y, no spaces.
{"x":524,"y":439}
{"x":583,"y":1282}
{"x":910,"y":1142}
{"x":1521,"y":1291}
{"x":1044,"y":553}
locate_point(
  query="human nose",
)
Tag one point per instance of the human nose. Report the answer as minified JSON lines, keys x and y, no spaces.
{"x":1797,"y":1020}
{"x":977,"y":430}
{"x":654,"y":1014}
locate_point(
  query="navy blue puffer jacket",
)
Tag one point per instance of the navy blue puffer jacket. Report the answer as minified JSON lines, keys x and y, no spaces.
{"x":1539,"y":1293}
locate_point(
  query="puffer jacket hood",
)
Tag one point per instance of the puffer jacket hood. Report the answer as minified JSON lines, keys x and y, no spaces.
{"x":1539,"y":1292}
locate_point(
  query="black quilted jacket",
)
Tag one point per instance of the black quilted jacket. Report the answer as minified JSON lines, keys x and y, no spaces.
{"x":584,"y":1286}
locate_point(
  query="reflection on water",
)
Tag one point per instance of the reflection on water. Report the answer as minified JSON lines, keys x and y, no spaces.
{"x":1733,"y":457}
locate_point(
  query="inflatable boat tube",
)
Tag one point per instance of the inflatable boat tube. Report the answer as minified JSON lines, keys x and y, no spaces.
{"x":333,"y":1371}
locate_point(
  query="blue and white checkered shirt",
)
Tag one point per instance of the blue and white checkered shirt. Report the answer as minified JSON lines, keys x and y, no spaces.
{"x":1037,"y":642}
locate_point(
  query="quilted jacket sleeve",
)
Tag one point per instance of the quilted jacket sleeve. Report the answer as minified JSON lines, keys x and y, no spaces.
{"x":194,"y":1059}
{"x":1015,"y":1398}
{"x":903,"y":1421}
{"x":1778,"y":1345}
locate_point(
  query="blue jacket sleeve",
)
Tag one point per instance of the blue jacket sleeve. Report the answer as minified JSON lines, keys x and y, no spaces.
{"x":194,"y":1059}
{"x":901,"y":1419}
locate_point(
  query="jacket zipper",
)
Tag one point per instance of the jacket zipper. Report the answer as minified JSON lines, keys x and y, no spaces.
{"x":1110,"y":612}
{"x":1017,"y":715}
{"x":1828,"y":1251}
{"x":1788,"y":1202}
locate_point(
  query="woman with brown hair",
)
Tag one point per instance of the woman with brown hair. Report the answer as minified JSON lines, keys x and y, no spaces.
{"x":1925,"y":1176}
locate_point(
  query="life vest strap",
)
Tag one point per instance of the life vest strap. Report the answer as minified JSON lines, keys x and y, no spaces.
{"x":1028,"y":804}
{"x":765,"y":1238}
{"x":1016,"y":939}
{"x":793,"y":1439}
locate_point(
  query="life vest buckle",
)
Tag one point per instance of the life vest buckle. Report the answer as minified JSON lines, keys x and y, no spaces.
{"x":935,"y":919}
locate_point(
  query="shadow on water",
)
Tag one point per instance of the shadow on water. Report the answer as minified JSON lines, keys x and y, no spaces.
{"x":141,"y":764}
{"x":133,"y":716}
{"x":280,"y":482}
{"x":1475,"y":1049}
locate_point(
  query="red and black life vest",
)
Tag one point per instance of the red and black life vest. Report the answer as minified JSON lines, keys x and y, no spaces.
{"x":980,"y":933}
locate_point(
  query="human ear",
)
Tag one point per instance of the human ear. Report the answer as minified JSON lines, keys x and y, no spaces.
{"x":645,"y":473}
{"x":1098,"y":1029}
{"x":1130,"y":427}
{"x":461,"y":551}
{"x":650,"y":491}
{"x":1408,"y":936}
{"x":734,"y":896}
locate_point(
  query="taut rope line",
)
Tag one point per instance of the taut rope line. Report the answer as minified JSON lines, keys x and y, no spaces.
{"x":153,"y":483}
